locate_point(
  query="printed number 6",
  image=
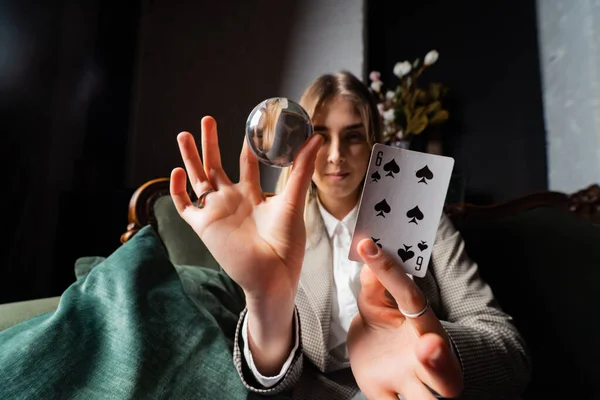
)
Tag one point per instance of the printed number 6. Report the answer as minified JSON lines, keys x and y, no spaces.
{"x":378,"y":159}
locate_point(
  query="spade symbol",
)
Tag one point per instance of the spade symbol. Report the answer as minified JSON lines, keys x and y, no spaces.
{"x":414,"y":214}
{"x":391,"y":168}
{"x":405,"y":253}
{"x":422,"y":246}
{"x":425,"y":174}
{"x":382,"y":208}
{"x":376,"y":240}
{"x":375,"y":176}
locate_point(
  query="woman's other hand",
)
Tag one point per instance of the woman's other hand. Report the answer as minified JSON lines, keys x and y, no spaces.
{"x":389,"y":353}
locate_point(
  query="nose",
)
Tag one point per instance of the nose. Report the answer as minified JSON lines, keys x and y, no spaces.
{"x":335,"y":154}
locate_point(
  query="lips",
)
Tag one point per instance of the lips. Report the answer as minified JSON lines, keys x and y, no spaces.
{"x":337,"y":176}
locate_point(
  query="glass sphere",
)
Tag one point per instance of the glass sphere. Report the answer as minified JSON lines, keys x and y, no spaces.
{"x":276,"y":129}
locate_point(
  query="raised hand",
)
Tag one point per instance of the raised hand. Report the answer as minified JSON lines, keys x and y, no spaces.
{"x":258,"y":241}
{"x":391,"y":354}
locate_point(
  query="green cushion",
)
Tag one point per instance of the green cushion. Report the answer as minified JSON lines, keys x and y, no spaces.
{"x":183,"y":245}
{"x":128,"y":330}
{"x":544,"y":268}
{"x":84,"y":265}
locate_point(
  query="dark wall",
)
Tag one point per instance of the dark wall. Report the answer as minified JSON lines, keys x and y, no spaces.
{"x":65,"y":81}
{"x":208,"y":57}
{"x":489,"y":59}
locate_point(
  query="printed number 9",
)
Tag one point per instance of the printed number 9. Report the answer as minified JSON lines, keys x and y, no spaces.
{"x":378,"y":159}
{"x":419,"y":263}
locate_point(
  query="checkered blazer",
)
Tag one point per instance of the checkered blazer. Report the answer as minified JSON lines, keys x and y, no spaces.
{"x":493,"y":356}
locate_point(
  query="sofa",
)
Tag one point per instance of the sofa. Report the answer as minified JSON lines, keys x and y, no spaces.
{"x":540,"y":254}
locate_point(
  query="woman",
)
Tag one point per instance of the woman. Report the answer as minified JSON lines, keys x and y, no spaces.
{"x":311,"y":324}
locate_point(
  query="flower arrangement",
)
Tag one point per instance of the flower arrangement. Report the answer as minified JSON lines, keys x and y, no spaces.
{"x":408,"y":109}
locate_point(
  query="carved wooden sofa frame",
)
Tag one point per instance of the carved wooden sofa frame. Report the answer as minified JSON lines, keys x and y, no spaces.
{"x":584,"y":204}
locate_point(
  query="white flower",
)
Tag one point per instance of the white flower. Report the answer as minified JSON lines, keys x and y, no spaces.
{"x":431,"y":57}
{"x":380,"y":108}
{"x":375,"y":76}
{"x":389,"y":95}
{"x":388,"y":115}
{"x":376,"y":86}
{"x":402,"y":68}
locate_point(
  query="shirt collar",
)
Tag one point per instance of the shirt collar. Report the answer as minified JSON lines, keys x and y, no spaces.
{"x":332,"y":222}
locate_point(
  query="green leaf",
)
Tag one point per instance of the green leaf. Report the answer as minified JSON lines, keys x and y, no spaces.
{"x":422,"y":96}
{"x":417,"y":125}
{"x":435,"y":90}
{"x":439,"y":117}
{"x":419,"y":111}
{"x":433,"y":107}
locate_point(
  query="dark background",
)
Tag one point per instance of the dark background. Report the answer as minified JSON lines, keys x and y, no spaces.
{"x":65,"y":116}
{"x":489,"y":59}
{"x":64,"y":119}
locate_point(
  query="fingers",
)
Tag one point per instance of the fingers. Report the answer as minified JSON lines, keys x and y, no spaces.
{"x":440,"y":369}
{"x":374,"y":293}
{"x":191,"y":160}
{"x":407,"y":294}
{"x":302,"y":171}
{"x":211,"y":153}
{"x":178,"y":190}
{"x":437,"y":367}
{"x":249,"y":172}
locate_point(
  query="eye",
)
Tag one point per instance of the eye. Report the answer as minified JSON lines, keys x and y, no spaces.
{"x":355,"y":137}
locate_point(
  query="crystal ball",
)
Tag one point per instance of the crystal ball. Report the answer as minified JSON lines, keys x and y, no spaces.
{"x":276,"y":129}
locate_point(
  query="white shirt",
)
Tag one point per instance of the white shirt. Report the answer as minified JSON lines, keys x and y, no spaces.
{"x":346,"y":275}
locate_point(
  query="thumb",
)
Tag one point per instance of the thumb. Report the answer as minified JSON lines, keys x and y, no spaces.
{"x":373,"y":292}
{"x":440,"y":368}
{"x":302,"y":171}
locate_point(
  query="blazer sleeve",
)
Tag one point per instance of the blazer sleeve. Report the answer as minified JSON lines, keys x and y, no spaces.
{"x":291,"y":376}
{"x":492,"y":353}
{"x":217,"y":293}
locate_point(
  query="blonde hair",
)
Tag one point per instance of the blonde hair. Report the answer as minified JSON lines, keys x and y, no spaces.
{"x":265,"y":129}
{"x":327,"y":87}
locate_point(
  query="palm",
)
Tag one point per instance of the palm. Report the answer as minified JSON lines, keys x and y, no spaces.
{"x":258,"y":241}
{"x":260,"y":245}
{"x":376,"y":349}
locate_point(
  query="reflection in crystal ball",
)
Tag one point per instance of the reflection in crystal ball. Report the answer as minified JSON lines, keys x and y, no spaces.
{"x":276,"y":129}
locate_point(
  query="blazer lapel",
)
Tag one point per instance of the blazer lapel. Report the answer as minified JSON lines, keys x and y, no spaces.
{"x":316,"y":283}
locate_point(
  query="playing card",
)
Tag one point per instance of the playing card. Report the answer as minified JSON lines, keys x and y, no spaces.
{"x":401,"y":205}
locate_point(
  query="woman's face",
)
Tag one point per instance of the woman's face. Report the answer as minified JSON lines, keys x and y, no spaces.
{"x":343,"y":159}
